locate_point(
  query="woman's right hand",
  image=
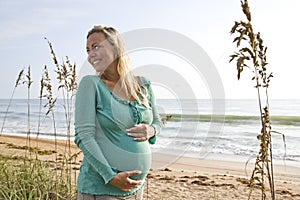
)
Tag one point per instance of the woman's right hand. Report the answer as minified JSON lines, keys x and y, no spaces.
{"x":123,"y":182}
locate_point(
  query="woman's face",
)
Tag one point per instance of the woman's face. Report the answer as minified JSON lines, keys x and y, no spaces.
{"x":100,"y":51}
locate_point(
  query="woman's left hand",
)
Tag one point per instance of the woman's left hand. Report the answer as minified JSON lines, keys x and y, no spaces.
{"x":141,"y":132}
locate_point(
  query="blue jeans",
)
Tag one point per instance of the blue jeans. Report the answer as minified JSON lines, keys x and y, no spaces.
{"x":136,"y":196}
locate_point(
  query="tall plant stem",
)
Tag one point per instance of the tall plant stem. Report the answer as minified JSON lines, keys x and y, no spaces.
{"x":7,"y":109}
{"x":29,"y":82}
{"x":253,"y":56}
{"x":18,"y":81}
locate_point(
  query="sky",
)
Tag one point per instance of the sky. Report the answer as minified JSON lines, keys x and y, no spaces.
{"x":65,"y":23}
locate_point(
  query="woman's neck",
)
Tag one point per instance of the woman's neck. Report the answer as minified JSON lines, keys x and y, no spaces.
{"x":111,"y":74}
{"x":110,"y":77}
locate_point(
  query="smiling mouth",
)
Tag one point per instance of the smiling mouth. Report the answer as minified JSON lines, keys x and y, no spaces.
{"x":95,"y":62}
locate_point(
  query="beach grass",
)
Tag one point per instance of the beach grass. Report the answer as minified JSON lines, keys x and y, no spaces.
{"x":23,"y":178}
{"x":252,"y":54}
{"x":26,"y":176}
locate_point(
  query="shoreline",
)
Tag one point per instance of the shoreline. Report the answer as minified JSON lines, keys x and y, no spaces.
{"x":178,"y":177}
{"x":212,"y":162}
{"x":173,"y":152}
{"x":214,"y":166}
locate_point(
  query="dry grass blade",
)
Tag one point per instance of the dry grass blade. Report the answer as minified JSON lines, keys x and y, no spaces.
{"x":28,"y":82}
{"x":18,"y":82}
{"x":67,"y":85}
{"x":253,"y":55}
{"x":52,"y":52}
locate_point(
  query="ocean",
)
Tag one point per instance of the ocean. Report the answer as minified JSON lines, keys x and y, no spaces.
{"x":197,"y":128}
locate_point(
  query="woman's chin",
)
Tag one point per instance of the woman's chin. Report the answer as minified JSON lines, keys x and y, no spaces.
{"x":99,"y":71}
{"x":99,"y":68}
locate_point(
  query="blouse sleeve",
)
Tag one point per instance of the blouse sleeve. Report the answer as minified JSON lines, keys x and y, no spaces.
{"x":156,"y":123}
{"x":85,"y":128}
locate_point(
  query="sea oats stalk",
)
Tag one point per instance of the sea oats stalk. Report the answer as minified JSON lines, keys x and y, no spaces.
{"x":22,"y":79}
{"x":67,"y":85}
{"x":46,"y":82}
{"x":40,"y":109}
{"x":66,"y":76}
{"x":28,"y":81}
{"x":48,"y":94}
{"x":18,"y":82}
{"x":252,"y":55}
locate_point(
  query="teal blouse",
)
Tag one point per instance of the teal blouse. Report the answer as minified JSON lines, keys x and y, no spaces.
{"x":101,"y":120}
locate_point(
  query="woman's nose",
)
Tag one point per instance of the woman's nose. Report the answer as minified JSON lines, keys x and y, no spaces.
{"x":91,"y":54}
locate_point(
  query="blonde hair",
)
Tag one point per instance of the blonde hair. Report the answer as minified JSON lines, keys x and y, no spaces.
{"x":127,"y":78}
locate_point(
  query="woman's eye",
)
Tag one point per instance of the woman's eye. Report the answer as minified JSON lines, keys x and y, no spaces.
{"x":96,"y":47}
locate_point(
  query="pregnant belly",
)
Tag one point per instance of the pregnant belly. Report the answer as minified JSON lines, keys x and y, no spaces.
{"x":127,"y":155}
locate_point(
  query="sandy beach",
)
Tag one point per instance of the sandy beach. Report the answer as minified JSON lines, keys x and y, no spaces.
{"x":175,"y":177}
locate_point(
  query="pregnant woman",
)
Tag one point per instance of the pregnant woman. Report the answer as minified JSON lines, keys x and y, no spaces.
{"x":115,"y":122}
